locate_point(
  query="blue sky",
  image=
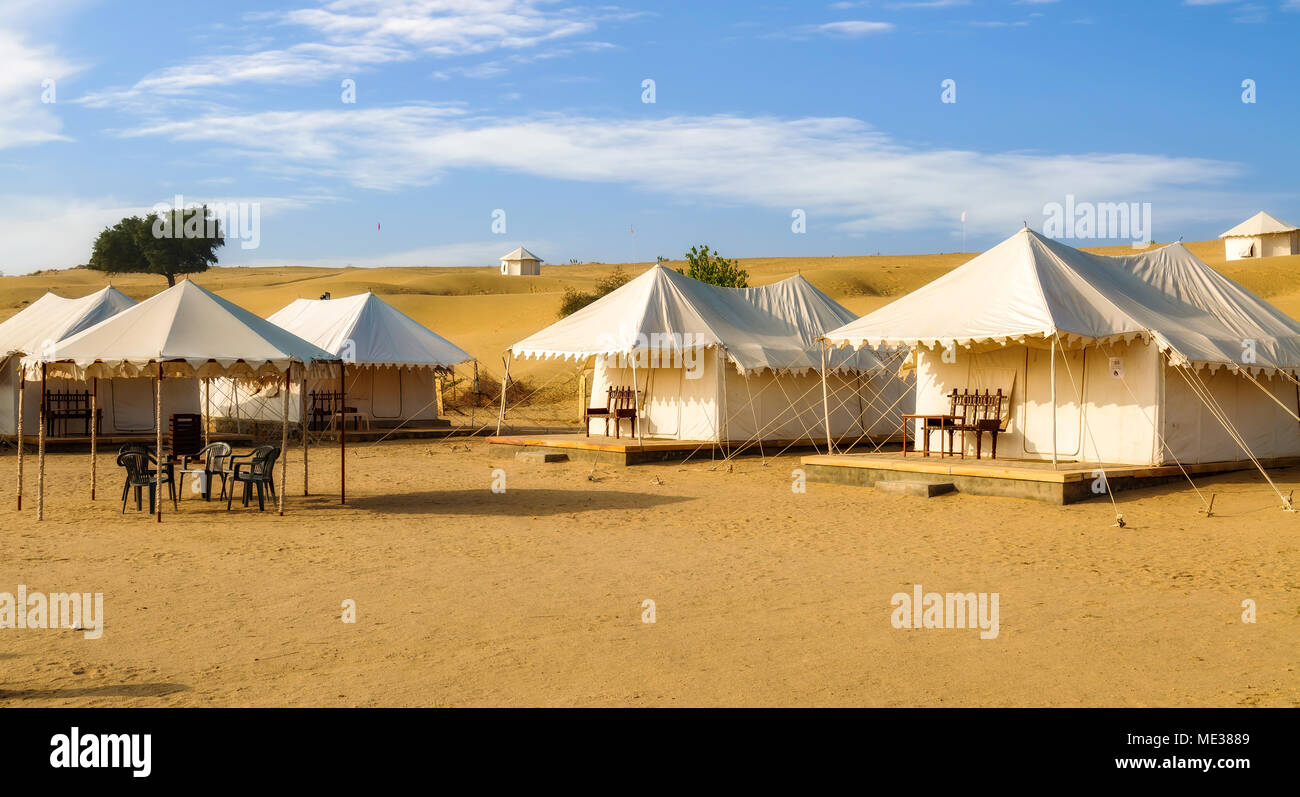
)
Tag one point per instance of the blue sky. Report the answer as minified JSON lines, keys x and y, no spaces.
{"x":535,"y":107}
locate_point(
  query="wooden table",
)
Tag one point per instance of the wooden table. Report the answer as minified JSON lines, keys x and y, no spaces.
{"x":931,"y":422}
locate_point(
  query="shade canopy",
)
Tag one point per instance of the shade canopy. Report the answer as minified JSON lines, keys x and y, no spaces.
{"x":1029,"y":286}
{"x":1259,"y":224}
{"x":192,"y":331}
{"x":52,"y":318}
{"x":775,"y":327}
{"x":366,"y":330}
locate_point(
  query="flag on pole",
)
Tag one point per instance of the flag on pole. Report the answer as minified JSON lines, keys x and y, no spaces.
{"x":963,"y":217}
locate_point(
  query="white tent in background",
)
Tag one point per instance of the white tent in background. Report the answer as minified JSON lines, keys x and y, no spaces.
{"x":1261,"y":235}
{"x":521,"y":262}
{"x":53,"y":318}
{"x":182,"y":334}
{"x":391,"y":362}
{"x":725,"y":364}
{"x":1142,"y":359}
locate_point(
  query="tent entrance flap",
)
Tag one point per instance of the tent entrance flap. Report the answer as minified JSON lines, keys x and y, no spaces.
{"x":1038,"y":414}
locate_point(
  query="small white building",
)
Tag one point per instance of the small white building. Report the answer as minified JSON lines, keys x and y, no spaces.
{"x":1261,"y":236}
{"x":521,"y":262}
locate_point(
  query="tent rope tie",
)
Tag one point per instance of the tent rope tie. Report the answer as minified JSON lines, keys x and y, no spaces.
{"x":1202,"y":391}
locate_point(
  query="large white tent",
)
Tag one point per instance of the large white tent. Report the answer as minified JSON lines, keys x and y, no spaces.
{"x":183,"y":333}
{"x":1145,"y":359}
{"x":1261,"y":235}
{"x":725,"y":364}
{"x":124,"y":409}
{"x":391,"y":358}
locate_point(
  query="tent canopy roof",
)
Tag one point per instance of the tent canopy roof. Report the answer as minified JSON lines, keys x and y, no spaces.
{"x":1259,"y":224}
{"x":52,"y":318}
{"x":368,"y":331}
{"x":521,"y":254}
{"x":773,"y":327}
{"x":1030,"y":286}
{"x":192,"y":330}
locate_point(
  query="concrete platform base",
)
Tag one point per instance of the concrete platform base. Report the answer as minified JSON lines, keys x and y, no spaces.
{"x":540,"y":457}
{"x":1035,"y":480}
{"x":914,"y":488}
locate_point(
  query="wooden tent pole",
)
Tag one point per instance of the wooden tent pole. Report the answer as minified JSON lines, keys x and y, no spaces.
{"x":207,"y":410}
{"x":302,"y":424}
{"x":22,"y":391}
{"x":94,"y":436}
{"x":343,"y":433}
{"x":1053,"y":378}
{"x":158,"y":449}
{"x":501,"y":416}
{"x":284,"y":442}
{"x":826,"y":404}
{"x":40,"y":454}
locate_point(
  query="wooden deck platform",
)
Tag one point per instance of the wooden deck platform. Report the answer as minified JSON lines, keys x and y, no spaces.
{"x":1066,"y":483}
{"x":628,"y":450}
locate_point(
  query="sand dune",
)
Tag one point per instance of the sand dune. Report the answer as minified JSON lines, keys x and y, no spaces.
{"x":485,"y":312}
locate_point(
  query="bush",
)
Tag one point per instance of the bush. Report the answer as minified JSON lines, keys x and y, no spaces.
{"x":574,"y":299}
{"x":710,"y":267}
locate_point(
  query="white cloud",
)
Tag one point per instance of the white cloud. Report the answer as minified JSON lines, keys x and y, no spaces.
{"x":24,"y":118}
{"x":357,"y":34}
{"x":851,"y":28}
{"x":840,"y":168}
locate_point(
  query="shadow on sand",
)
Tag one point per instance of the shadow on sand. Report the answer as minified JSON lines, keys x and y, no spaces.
{"x":511,"y":502}
{"x":113,"y":690}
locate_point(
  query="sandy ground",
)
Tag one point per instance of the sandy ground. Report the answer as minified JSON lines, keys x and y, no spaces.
{"x":534,"y":597}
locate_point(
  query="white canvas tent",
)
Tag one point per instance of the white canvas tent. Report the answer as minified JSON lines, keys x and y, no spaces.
{"x":53,"y":318}
{"x":725,"y":364}
{"x":521,"y":262}
{"x":182,"y":333}
{"x":391,"y":359}
{"x":1142,"y":359}
{"x":1261,"y":235}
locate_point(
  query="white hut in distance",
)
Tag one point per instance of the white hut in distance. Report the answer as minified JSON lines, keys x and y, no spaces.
{"x":521,"y":262}
{"x":1261,"y":236}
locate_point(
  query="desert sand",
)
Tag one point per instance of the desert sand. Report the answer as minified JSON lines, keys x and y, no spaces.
{"x":763,"y":596}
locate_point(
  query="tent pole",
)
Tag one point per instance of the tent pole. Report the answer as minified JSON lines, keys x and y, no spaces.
{"x":1053,"y":378}
{"x":40,"y":454}
{"x":343,"y":433}
{"x":636,"y":403}
{"x":826,"y":403}
{"x":158,"y":449}
{"x":94,"y":437}
{"x":207,"y":409}
{"x":22,"y":391}
{"x":302,"y":425}
{"x":501,"y":416}
{"x":284,"y":440}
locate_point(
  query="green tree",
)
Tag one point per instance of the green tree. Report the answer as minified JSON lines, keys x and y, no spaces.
{"x":710,"y":267}
{"x":181,"y":241}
